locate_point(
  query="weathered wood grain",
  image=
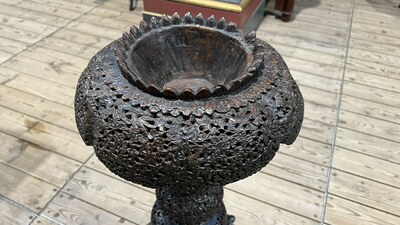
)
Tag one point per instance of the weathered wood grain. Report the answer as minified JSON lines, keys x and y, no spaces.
{"x":343,"y":212}
{"x":372,"y":109}
{"x":371,"y":126}
{"x":13,"y":215}
{"x":367,"y":166}
{"x":67,"y":209}
{"x":120,"y":198}
{"x":371,"y":145}
{"x":284,"y":194}
{"x":298,"y":171}
{"x":36,"y":161}
{"x":25,"y":189}
{"x":33,"y":85}
{"x":38,"y":107}
{"x":46,"y":135}
{"x":365,"y":191}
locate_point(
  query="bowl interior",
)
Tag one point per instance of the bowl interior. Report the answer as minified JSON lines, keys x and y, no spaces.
{"x":191,"y":57}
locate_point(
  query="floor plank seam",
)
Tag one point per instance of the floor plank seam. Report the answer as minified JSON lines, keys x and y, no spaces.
{"x":46,"y":217}
{"x":24,"y":172}
{"x":369,"y":155}
{"x":51,"y":33}
{"x":89,"y":203}
{"x":268,"y":203}
{"x":367,"y":178}
{"x":373,"y":117}
{"x":306,"y":160}
{"x":369,"y":134}
{"x":65,"y":184}
{"x":329,"y":170}
{"x":39,"y":146}
{"x":365,"y":205}
{"x":41,"y":119}
{"x":16,"y":204}
{"x":291,"y":181}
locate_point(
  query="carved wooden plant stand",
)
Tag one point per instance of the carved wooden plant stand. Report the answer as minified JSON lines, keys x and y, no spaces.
{"x":187,"y":105}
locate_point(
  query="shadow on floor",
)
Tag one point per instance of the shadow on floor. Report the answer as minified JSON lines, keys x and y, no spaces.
{"x":304,"y":4}
{"x":389,"y":7}
{"x":298,"y":7}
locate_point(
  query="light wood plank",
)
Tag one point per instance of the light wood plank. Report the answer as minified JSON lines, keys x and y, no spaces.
{"x":7,"y":74}
{"x":372,"y":80}
{"x":25,"y":189}
{"x":50,"y":10}
{"x":250,"y":211}
{"x":319,"y":97}
{"x":82,"y":38}
{"x":316,"y":81}
{"x":380,"y":8}
{"x":111,"y":23}
{"x":380,"y":30}
{"x":56,"y":58}
{"x":367,"y":166}
{"x":342,"y":6}
{"x":342,"y":211}
{"x":373,"y":68}
{"x":19,"y":35}
{"x":39,"y":87}
{"x":364,"y":143}
{"x":13,"y":215}
{"x":95,"y":164}
{"x":310,"y":31}
{"x":368,"y":108}
{"x":365,"y":191}
{"x":12,"y":46}
{"x":68,"y":47}
{"x":281,"y":193}
{"x":307,"y":66}
{"x":32,"y":15}
{"x":4,"y":56}
{"x":371,"y":94}
{"x":294,"y":42}
{"x":46,"y":135}
{"x":93,"y":29}
{"x":67,"y":209}
{"x":68,"y":5}
{"x":319,"y":113}
{"x":38,"y":107}
{"x":317,"y":130}
{"x":375,"y":57}
{"x":368,"y":45}
{"x":378,"y":38}
{"x":122,"y":14}
{"x":310,"y":55}
{"x":120,"y":198}
{"x":27,"y":25}
{"x":298,"y":171}
{"x":55,"y":73}
{"x":370,"y":125}
{"x":42,"y":220}
{"x":309,"y":150}
{"x":373,"y":18}
{"x":36,"y":161}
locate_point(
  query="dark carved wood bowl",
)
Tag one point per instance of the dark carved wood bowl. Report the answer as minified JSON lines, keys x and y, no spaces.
{"x":187,"y":105}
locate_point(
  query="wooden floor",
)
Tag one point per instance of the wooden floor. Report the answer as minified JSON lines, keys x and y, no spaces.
{"x":344,"y":167}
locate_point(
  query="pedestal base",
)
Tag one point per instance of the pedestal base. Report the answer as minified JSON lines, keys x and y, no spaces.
{"x":201,"y":207}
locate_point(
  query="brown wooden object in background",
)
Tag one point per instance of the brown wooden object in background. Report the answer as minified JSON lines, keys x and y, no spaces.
{"x":286,"y":7}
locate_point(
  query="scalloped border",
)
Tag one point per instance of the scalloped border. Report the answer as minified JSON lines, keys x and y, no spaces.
{"x":126,"y":43}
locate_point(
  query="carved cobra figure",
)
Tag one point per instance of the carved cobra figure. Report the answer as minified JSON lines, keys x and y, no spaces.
{"x":185,"y":106}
